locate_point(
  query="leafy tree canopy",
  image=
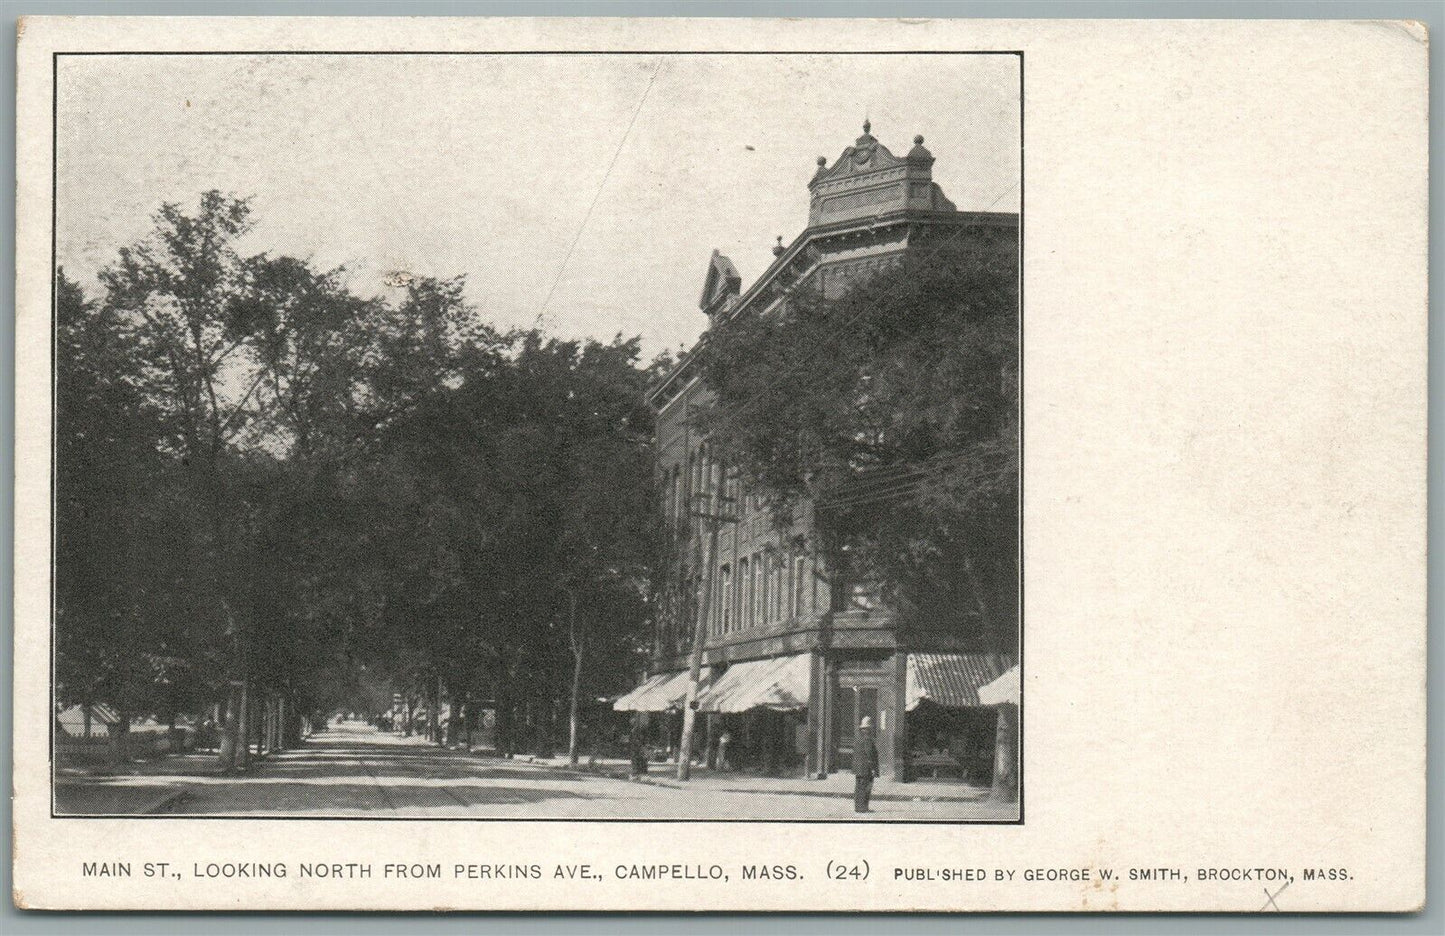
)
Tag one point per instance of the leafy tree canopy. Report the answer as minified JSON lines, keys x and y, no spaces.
{"x":892,"y":412}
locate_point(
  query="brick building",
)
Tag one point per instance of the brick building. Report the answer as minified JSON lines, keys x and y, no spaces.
{"x":793,"y":658}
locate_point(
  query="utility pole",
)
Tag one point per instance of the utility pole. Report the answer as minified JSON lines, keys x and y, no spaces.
{"x":699,"y":634}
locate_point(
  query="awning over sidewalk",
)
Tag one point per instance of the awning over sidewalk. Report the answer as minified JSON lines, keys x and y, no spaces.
{"x":72,"y":719}
{"x":659,"y":693}
{"x":952,"y":679}
{"x":1007,"y":688}
{"x":780,"y":684}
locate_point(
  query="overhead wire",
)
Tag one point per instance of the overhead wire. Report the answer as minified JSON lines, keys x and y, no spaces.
{"x":562,"y":267}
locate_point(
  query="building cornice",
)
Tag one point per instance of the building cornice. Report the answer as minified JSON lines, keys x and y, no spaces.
{"x":659,"y":396}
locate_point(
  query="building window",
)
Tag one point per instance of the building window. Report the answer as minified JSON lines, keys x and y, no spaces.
{"x":759,"y":588}
{"x":810,"y":592}
{"x":798,"y":582}
{"x":749,"y":598}
{"x":763,"y":585}
{"x":775,"y":590}
{"x":745,"y":582}
{"x":727,"y":596}
{"x":790,"y":599}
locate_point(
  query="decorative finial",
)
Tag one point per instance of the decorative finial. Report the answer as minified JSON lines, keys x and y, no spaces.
{"x":867,"y":125}
{"x":822,"y":161}
{"x":779,"y":248}
{"x":918,"y":140}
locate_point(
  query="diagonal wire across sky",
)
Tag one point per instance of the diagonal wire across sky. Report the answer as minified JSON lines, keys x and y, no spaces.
{"x":562,"y":267}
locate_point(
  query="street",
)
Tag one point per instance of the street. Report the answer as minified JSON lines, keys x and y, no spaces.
{"x":355,"y":770}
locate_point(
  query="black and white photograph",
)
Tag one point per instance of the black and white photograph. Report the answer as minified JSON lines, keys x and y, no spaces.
{"x":590,"y":436}
{"x":720,"y":464}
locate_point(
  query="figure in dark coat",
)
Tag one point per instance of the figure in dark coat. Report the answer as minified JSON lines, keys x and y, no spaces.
{"x":865,"y":765}
{"x":637,"y":754}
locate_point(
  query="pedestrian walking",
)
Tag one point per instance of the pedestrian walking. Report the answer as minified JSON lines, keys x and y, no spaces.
{"x":865,"y":765}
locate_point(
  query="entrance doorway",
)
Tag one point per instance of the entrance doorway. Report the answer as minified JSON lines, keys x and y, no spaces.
{"x":851,"y":704}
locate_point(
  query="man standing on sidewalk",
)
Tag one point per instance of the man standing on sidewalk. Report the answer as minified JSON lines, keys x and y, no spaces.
{"x":865,"y":765}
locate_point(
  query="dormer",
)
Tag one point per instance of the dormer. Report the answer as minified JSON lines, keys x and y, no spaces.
{"x":721,"y":287}
{"x":869,"y":180}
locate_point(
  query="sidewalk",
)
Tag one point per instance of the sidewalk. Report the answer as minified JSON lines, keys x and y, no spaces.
{"x":839,"y":784}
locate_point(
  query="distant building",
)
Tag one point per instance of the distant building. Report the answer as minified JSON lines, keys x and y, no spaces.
{"x":794,"y":658}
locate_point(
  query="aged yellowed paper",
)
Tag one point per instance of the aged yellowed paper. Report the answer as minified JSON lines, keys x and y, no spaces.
{"x":700,"y":464}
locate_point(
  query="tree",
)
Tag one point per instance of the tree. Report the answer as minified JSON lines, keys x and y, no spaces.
{"x":176,"y":297}
{"x":609,"y":526}
{"x":268,"y":381}
{"x":112,"y":518}
{"x":892,"y":413}
{"x":308,"y":492}
{"x":515,"y":513}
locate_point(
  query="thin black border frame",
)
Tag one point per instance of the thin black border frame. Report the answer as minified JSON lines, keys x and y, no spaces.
{"x":54,"y":235}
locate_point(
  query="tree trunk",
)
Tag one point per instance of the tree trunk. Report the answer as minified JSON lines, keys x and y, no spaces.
{"x":243,"y":727}
{"x":434,"y":733}
{"x":230,"y":727}
{"x":579,"y":649}
{"x":455,"y":717}
{"x":1005,"y":769}
{"x":975,"y":584}
{"x":504,"y":720}
{"x":118,"y":737}
{"x":574,"y":722}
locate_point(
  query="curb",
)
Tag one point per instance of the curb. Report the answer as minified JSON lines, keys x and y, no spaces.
{"x":824,"y":794}
{"x":580,"y":771}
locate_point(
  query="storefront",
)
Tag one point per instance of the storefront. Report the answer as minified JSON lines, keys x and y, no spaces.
{"x":951,"y":733}
{"x":656,"y":707}
{"x":799,"y":714}
{"x":757,"y":713}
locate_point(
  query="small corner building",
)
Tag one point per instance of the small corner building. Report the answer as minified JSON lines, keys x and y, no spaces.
{"x":793,"y":659}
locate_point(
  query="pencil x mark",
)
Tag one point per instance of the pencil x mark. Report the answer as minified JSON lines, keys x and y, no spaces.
{"x":1269,"y":898}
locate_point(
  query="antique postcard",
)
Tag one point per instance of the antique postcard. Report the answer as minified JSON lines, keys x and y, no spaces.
{"x":720,"y":464}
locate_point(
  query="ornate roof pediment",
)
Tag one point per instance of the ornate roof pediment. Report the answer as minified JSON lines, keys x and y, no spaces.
{"x":868,"y":180}
{"x":864,"y":156}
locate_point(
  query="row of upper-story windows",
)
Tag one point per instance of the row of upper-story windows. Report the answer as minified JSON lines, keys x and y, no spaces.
{"x":692,"y":488}
{"x":767,"y":588}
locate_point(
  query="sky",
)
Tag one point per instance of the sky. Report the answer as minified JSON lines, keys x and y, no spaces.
{"x":486,"y":166}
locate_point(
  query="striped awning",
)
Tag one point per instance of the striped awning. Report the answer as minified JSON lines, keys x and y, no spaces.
{"x":660,"y":692}
{"x":1007,"y":688}
{"x":952,"y":679}
{"x":105,"y":713}
{"x":72,"y":718}
{"x":628,"y":701}
{"x":780,"y":684}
